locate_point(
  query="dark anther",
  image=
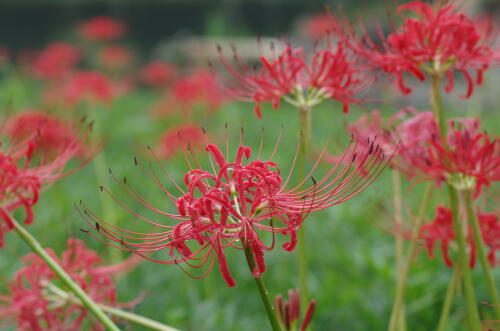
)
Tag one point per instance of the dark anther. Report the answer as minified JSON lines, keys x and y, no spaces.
{"x":313,"y":180}
{"x":219,"y":48}
{"x":124,"y":180}
{"x":354,"y":157}
{"x":102,"y":188}
{"x":84,"y":230}
{"x":135,"y":160}
{"x":203,"y":130}
{"x":109,"y":169}
{"x":371,"y":148}
{"x":97,"y":227}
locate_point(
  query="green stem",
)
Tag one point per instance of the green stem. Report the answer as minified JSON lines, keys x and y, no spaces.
{"x":65,"y":278}
{"x":490,"y":283}
{"x":462,"y":262}
{"x":436,"y":104}
{"x":398,"y":243}
{"x":305,"y":146}
{"x":264,"y":293}
{"x":401,"y":283}
{"x":445,"y":312}
{"x":137,"y":319}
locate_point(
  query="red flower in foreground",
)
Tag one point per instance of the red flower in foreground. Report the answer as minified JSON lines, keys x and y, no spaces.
{"x":441,"y":230}
{"x":230,"y":204}
{"x":468,"y":160}
{"x":439,"y":41}
{"x":182,"y":137}
{"x":115,"y":57}
{"x":56,"y":61}
{"x":102,"y":28}
{"x":158,"y":74}
{"x":288,"y":312}
{"x":303,"y":80}
{"x":25,"y":167}
{"x":35,"y":304}
{"x":88,"y":86}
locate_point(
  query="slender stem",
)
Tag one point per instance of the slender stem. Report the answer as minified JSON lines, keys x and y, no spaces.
{"x":398,"y":243}
{"x":305,"y":146}
{"x":401,"y":283}
{"x":141,"y":320}
{"x":445,"y":312}
{"x":436,"y":104}
{"x":462,"y":262}
{"x":264,"y":293}
{"x":65,"y":278}
{"x":490,"y":283}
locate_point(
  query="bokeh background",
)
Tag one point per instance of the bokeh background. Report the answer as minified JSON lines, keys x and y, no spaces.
{"x":351,"y":249}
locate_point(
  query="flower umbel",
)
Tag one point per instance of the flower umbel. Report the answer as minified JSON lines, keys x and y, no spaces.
{"x":35,"y":301}
{"x":233,"y":204}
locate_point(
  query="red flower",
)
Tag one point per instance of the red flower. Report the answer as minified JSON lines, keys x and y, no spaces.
{"x":467,"y":160}
{"x":199,"y":87}
{"x":27,"y":166}
{"x":158,"y":74}
{"x":102,"y":28}
{"x":87,"y":86}
{"x":182,"y":137}
{"x":56,"y":61}
{"x":231,"y":203}
{"x":34,"y":302}
{"x":52,"y":135}
{"x":441,"y":230}
{"x":115,"y":57}
{"x":288,"y":312}
{"x":440,"y":40}
{"x":298,"y":78}
{"x":319,"y":25}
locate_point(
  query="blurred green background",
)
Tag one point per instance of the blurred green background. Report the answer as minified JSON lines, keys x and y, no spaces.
{"x":351,"y":255}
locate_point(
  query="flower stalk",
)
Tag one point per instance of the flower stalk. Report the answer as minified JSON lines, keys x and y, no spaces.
{"x":445,"y":312}
{"x":134,"y":318}
{"x":65,"y":278}
{"x":490,"y":283}
{"x":264,"y":293}
{"x":470,"y":294}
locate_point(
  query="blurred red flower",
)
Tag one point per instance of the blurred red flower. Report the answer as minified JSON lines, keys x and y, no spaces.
{"x":115,"y":57}
{"x":288,"y":312}
{"x":230,"y":204}
{"x":56,"y":61}
{"x":158,"y":74}
{"x":440,"y":40}
{"x":87,"y":86}
{"x":319,"y":25}
{"x":441,"y":230}
{"x":181,"y":137}
{"x":35,"y":303}
{"x":102,"y":28}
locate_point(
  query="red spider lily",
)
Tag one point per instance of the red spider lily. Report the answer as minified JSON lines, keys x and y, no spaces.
{"x":52,"y":134}
{"x":438,"y":41}
{"x":89,"y":86}
{"x":199,"y":87}
{"x":180,"y":138}
{"x":298,"y":78}
{"x":288,"y":312}
{"x":158,"y":74}
{"x":467,"y":160}
{"x":35,"y":304}
{"x":115,"y":57}
{"x":231,"y":205}
{"x":407,"y":129}
{"x":441,"y":230}
{"x":56,"y":61}
{"x":102,"y":28}
{"x":319,"y":26}
{"x":27,"y":166}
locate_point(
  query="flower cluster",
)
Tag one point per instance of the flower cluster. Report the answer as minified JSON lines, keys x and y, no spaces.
{"x":440,"y":40}
{"x":303,"y":80}
{"x":102,"y":28}
{"x":56,"y":61}
{"x":158,"y":74}
{"x":32,"y":160}
{"x":35,"y":302}
{"x":231,"y":205}
{"x":441,"y":230}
